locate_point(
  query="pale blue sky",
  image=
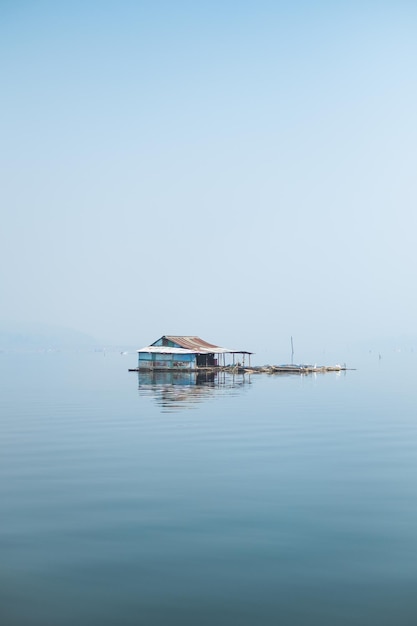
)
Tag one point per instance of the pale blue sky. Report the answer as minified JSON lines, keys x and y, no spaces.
{"x":244,"y":171}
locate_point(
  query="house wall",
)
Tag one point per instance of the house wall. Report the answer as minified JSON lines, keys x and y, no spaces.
{"x":175,"y":362}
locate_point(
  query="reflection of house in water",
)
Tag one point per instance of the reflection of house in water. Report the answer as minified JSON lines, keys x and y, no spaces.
{"x":185,"y":353}
{"x":174,"y":390}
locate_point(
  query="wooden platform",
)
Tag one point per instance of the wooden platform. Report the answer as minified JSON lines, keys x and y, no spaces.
{"x":257,"y":369}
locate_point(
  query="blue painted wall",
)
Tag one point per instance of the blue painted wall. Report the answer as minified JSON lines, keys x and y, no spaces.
{"x":166,"y":361}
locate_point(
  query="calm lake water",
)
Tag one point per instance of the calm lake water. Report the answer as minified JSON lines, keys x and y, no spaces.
{"x":261,"y":500}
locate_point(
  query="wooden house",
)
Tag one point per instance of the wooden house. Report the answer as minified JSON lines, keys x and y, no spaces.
{"x":178,"y":352}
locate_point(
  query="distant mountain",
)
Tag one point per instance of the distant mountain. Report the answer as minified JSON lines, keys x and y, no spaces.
{"x":28,"y":337}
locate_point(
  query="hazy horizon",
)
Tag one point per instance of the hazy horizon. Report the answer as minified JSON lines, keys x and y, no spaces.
{"x":239,"y":171}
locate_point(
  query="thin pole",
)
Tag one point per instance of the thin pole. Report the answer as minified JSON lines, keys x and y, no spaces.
{"x":292,"y":352}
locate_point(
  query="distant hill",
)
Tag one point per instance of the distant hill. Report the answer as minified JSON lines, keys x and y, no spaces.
{"x":28,"y":337}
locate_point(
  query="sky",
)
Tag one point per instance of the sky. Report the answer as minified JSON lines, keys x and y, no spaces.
{"x":242,"y":171}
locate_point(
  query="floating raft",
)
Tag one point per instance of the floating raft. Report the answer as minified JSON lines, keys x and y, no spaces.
{"x":263,"y":369}
{"x":293,"y":369}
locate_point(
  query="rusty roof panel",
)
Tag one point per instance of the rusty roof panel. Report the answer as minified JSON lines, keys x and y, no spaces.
{"x":191,"y":342}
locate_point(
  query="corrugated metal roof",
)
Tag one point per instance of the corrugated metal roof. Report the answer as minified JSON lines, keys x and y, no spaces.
{"x":165,"y":350}
{"x":193,"y":343}
{"x":196,"y":344}
{"x":189,"y":344}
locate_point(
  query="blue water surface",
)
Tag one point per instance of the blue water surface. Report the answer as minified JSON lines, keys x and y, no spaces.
{"x":257,"y":499}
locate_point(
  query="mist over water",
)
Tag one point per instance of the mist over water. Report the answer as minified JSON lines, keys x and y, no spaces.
{"x":267,"y":499}
{"x":244,"y":172}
